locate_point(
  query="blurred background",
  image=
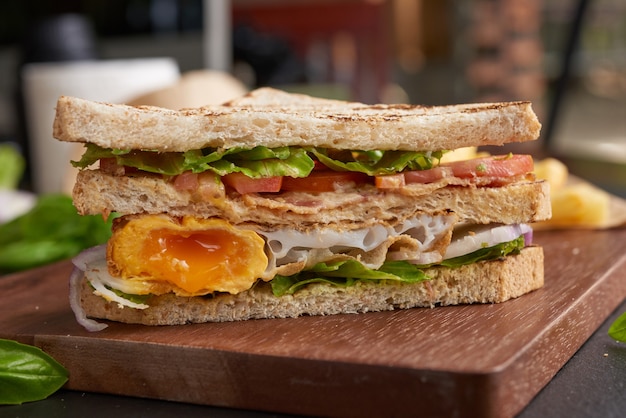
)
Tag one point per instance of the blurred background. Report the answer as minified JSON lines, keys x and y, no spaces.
{"x":567,"y":56}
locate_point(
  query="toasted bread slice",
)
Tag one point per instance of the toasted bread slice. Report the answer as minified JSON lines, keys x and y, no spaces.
{"x":97,"y":192}
{"x":274,"y":118}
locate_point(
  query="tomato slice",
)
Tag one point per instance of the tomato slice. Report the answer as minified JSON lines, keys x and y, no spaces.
{"x":110,"y":166}
{"x":186,"y":181}
{"x":495,"y":167}
{"x":323,"y":181}
{"x":505,"y":166}
{"x":244,"y":184}
{"x":424,"y":176}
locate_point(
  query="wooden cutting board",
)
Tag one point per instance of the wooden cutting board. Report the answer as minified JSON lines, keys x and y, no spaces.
{"x":478,"y":360}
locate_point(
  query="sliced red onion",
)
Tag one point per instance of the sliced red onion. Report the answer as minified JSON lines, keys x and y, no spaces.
{"x":528,"y":237}
{"x":89,"y":256}
{"x":81,"y":317}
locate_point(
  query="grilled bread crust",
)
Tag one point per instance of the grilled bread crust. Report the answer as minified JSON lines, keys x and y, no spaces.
{"x":274,"y":118}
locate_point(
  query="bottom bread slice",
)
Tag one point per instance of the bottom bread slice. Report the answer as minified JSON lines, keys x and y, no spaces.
{"x":484,"y":282}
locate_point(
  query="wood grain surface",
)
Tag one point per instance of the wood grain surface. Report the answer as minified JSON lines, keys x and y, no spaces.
{"x":473,"y":360}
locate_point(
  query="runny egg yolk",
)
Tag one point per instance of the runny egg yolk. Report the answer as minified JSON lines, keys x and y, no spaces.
{"x":199,"y":256}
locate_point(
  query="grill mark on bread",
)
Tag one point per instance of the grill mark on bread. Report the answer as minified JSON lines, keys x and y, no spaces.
{"x":273,"y":118}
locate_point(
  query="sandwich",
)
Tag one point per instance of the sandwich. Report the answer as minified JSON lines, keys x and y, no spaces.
{"x":278,"y":205}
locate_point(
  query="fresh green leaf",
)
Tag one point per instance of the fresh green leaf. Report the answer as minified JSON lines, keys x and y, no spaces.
{"x":22,"y":255}
{"x":168,"y":163}
{"x":257,"y":162}
{"x":263,"y":161}
{"x":11,"y":167}
{"x":52,"y":230}
{"x":139,"y":299}
{"x":346,"y":273}
{"x":27,"y":373}
{"x":617,"y":331}
{"x":93,"y":153}
{"x":375,"y":163}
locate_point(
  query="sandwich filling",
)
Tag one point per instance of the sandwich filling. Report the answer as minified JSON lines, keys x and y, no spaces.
{"x":154,"y":254}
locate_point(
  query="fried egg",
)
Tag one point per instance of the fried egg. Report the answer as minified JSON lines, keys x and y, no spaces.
{"x":187,"y":255}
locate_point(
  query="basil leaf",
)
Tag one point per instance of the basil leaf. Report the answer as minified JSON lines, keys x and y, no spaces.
{"x":27,"y":373}
{"x":12,"y":166}
{"x":617,"y":331}
{"x":52,"y":230}
{"x":22,"y":255}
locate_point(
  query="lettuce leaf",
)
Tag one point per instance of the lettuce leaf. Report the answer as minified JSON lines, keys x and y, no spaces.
{"x":27,"y":373}
{"x":262,"y":161}
{"x":347,"y":273}
{"x":376,"y":163}
{"x":257,"y":162}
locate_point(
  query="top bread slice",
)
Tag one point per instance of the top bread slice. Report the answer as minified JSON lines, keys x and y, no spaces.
{"x":274,"y":118}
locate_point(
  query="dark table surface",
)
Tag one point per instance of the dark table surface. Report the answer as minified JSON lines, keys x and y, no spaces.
{"x":591,"y":384}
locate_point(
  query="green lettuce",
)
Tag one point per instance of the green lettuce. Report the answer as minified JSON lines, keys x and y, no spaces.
{"x":347,"y":273}
{"x":256,"y":163}
{"x":376,"y":163}
{"x":262,"y":161}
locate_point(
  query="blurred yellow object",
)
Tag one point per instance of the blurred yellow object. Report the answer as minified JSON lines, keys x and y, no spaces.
{"x":552,"y":170}
{"x":459,"y":154}
{"x":577,"y":203}
{"x":581,"y":204}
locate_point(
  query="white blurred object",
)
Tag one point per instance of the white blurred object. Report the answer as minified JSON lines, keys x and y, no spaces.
{"x":195,"y":89}
{"x":14,"y":203}
{"x":114,"y":81}
{"x":217,"y":35}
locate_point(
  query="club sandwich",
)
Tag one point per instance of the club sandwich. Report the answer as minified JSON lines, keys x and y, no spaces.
{"x":278,"y":205}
